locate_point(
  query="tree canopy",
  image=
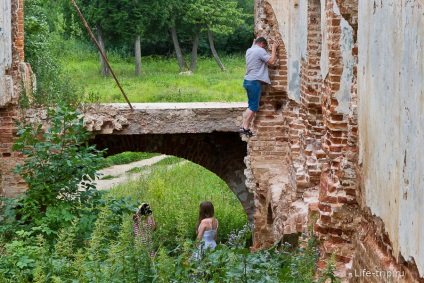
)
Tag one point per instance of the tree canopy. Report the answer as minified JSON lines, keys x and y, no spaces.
{"x":121,"y":20}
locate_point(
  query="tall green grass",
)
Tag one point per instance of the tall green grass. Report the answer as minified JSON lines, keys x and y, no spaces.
{"x":175,"y":191}
{"x":160,"y":80}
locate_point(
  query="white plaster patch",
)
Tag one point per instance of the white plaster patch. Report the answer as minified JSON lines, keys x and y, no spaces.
{"x":303,"y":27}
{"x":6,"y":83}
{"x":282,"y":14}
{"x":324,"y":47}
{"x":292,"y":18}
{"x":294,"y":84}
{"x":276,"y":191}
{"x":346,"y":45}
{"x":391,"y":119}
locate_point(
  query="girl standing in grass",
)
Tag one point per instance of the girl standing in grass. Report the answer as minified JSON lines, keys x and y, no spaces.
{"x":207,"y":228}
{"x":144,"y":225}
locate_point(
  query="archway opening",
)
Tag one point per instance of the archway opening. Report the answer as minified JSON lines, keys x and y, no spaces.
{"x":220,"y":152}
{"x":175,"y":187}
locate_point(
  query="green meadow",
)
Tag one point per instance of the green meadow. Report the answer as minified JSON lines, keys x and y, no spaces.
{"x":160,"y":81}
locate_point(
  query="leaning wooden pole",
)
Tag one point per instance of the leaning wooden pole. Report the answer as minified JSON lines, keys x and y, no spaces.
{"x":101,"y":52}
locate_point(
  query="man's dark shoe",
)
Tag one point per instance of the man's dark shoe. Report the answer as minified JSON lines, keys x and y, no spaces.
{"x":246,"y":132}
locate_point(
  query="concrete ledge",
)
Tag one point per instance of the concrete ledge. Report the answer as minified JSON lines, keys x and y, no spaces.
{"x":164,"y":118}
{"x":178,"y":105}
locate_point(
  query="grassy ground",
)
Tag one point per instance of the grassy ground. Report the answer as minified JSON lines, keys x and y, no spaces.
{"x":160,"y":80}
{"x":175,"y":194}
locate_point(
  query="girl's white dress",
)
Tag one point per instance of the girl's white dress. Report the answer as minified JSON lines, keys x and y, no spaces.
{"x":208,"y":241}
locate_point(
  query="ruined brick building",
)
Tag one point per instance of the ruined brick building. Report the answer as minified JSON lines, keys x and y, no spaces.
{"x":340,"y":139}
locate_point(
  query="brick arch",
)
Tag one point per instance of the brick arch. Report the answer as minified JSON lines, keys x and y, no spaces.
{"x":222,"y":153}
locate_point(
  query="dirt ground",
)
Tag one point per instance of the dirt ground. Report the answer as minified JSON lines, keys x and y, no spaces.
{"x":119,"y":172}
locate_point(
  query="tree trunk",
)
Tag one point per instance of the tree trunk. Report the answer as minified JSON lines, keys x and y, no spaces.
{"x":178,"y":52}
{"x":105,"y":69}
{"x":215,"y":55}
{"x":137,"y":50}
{"x":193,"y":59}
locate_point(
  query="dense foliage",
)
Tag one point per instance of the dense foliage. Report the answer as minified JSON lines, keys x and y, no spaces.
{"x":126,"y":30}
{"x":42,"y":45}
{"x":59,"y":167}
{"x":122,"y":20}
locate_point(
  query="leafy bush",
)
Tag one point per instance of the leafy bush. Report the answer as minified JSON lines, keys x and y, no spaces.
{"x":8,"y":219}
{"x":22,"y":256}
{"x":59,"y":169}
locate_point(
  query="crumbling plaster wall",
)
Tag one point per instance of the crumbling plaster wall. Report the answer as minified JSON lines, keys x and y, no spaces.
{"x":391,"y":121}
{"x":6,"y":82}
{"x":305,"y":140}
{"x":292,"y":17}
{"x":12,"y":72}
{"x":307,"y":128}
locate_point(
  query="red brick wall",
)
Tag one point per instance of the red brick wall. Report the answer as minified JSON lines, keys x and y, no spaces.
{"x":11,"y":184}
{"x":338,"y":209}
{"x":19,"y":40}
{"x":373,"y":251}
{"x":269,"y":151}
{"x":317,"y":146}
{"x":310,"y":102}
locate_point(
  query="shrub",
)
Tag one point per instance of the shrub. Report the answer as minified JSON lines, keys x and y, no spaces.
{"x":59,"y":169}
{"x":8,"y":219}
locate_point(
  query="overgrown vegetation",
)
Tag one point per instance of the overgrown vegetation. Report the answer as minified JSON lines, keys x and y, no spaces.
{"x":97,"y":244}
{"x":58,"y":168}
{"x":68,"y":69}
{"x":42,"y":41}
{"x":62,"y":229}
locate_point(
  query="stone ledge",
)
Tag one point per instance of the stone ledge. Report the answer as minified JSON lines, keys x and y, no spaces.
{"x":164,"y":118}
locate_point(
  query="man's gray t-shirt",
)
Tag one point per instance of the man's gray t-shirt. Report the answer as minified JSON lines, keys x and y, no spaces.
{"x":256,"y":64}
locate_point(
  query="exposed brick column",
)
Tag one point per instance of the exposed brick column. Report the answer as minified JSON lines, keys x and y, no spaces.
{"x":339,"y":215}
{"x":269,"y":153}
{"x":309,"y":172}
{"x":19,"y":41}
{"x":10,"y":183}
